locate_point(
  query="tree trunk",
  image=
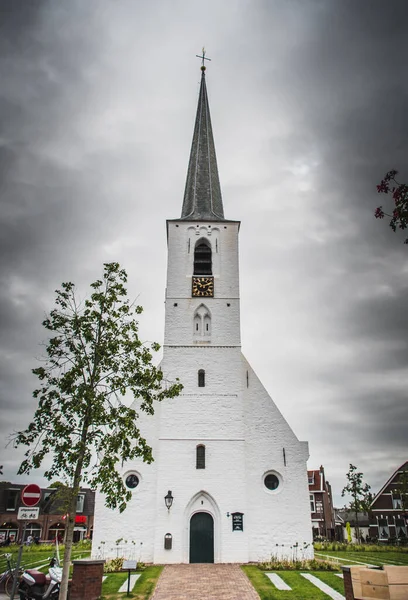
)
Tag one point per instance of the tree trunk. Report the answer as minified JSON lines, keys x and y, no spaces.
{"x":357,"y":528}
{"x":69,"y":535}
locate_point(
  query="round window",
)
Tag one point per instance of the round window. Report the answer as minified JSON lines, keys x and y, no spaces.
{"x":271,"y":482}
{"x":132,"y":481}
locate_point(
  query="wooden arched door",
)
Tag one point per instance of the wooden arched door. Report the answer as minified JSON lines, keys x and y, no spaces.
{"x":201,"y":538}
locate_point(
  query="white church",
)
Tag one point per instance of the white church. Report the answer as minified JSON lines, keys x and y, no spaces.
{"x":229,"y":479}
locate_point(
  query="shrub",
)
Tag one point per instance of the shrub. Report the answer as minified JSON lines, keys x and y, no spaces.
{"x":113,"y":565}
{"x":346,"y":547}
{"x":83,"y":545}
{"x":275,"y":564}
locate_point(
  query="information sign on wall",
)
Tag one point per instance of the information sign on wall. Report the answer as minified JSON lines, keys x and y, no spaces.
{"x":237,"y":521}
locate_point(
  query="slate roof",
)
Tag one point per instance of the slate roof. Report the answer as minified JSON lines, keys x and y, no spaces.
{"x":346,"y":515}
{"x":202,"y":195}
{"x":402,"y":468}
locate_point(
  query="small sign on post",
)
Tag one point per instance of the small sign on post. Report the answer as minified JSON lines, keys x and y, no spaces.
{"x":28,"y":514}
{"x":129,"y":565}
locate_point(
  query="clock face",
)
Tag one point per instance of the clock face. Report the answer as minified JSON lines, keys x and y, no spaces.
{"x":203,"y":286}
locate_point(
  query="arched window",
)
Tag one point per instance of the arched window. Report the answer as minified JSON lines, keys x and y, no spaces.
{"x":202,"y":322}
{"x":202,"y":258}
{"x":200,"y":457}
{"x":201,"y":378}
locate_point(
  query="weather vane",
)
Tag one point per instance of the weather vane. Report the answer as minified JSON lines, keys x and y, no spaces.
{"x":203,"y":57}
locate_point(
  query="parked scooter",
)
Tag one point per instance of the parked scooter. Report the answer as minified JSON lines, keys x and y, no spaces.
{"x":35,"y":585}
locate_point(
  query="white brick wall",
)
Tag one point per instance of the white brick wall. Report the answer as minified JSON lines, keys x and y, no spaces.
{"x":233,"y":416}
{"x":182,"y":238}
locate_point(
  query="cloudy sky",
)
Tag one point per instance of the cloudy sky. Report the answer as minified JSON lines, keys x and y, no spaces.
{"x":309,"y":109}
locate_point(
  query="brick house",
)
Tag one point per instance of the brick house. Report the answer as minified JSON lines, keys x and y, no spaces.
{"x":321,"y":505}
{"x":388,"y":521}
{"x":51,"y":520}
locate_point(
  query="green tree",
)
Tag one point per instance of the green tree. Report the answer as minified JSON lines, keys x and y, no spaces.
{"x":94,"y":357}
{"x":361,"y":497}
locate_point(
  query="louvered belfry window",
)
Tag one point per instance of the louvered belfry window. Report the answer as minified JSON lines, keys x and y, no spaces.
{"x":200,"y":457}
{"x":202,"y":259}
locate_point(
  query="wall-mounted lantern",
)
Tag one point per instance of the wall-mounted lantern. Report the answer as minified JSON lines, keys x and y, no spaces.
{"x":168,"y":499}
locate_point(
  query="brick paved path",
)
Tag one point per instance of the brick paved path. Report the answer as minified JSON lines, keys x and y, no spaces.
{"x":204,"y":582}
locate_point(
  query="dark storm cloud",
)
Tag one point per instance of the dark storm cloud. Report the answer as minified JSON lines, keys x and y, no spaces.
{"x":308,"y":100}
{"x":342,"y":79}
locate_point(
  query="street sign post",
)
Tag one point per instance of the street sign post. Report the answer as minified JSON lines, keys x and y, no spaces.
{"x":31,"y":495}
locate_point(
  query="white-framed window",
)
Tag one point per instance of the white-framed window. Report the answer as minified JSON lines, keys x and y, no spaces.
{"x":311,"y":479}
{"x":272,"y":481}
{"x":319,"y":506}
{"x":383,"y":529}
{"x":80,"y":503}
{"x":312,"y":503}
{"x":400,"y":528}
{"x":132,"y":479}
{"x":396,"y":502}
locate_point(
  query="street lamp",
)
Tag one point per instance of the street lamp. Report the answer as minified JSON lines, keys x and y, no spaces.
{"x":168,"y":499}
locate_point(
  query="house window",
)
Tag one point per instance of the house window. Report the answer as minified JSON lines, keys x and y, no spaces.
{"x":312,"y":503}
{"x":48,"y":500}
{"x":202,"y":258}
{"x":201,"y":378}
{"x":12,"y":497}
{"x":311,"y":479}
{"x":80,"y":503}
{"x":319,"y":506}
{"x":200,"y":457}
{"x":401,"y":528}
{"x":383,"y":529}
{"x":396,"y":503}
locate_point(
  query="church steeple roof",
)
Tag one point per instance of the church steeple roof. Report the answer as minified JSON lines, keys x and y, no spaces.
{"x":202,"y":196}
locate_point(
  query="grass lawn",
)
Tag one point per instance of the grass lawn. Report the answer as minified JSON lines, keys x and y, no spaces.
{"x":36,"y":558}
{"x":373,"y":558}
{"x":143,"y":589}
{"x":302,"y":589}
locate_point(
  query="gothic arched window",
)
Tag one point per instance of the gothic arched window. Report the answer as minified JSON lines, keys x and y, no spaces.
{"x":200,"y":457}
{"x":202,"y":322}
{"x":202,"y":258}
{"x":201,"y":378}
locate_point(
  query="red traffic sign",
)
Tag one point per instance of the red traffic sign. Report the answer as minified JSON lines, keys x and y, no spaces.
{"x":31,"y":494}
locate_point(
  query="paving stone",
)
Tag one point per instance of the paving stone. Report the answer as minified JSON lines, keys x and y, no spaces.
{"x":204,"y":582}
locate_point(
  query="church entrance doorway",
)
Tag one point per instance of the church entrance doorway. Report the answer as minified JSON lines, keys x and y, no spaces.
{"x":201,"y":538}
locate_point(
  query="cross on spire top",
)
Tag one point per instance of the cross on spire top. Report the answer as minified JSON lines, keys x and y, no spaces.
{"x":203,"y":58}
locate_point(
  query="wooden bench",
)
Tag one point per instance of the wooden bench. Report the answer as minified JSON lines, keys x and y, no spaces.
{"x":397,"y":582}
{"x":361,"y":583}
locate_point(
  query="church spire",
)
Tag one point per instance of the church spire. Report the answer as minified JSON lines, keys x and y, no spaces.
{"x":202,"y":196}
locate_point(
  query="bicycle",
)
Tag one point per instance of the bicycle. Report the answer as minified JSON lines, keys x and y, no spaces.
{"x":7,"y":578}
